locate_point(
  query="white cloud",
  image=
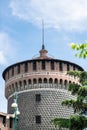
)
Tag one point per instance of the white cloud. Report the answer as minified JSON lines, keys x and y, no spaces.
{"x":60,"y":14}
{"x":6,"y":48}
{"x":2,"y":58}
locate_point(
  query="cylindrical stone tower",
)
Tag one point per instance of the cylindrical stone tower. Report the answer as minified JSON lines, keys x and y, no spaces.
{"x":41,"y":84}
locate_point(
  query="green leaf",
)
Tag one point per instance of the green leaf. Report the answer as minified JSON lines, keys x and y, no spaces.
{"x":81,"y":48}
{"x":72,"y":46}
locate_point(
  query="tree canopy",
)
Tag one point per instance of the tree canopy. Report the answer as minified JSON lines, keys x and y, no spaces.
{"x":77,"y":121}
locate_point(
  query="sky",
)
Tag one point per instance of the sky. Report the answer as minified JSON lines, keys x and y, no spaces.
{"x":65,"y":21}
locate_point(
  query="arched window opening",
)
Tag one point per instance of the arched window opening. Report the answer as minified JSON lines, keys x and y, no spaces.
{"x":65,"y":84}
{"x":29,"y":81}
{"x":24,"y":82}
{"x":56,"y":81}
{"x":39,"y":80}
{"x":20,"y":85}
{"x":61,"y":83}
{"x":45,"y":80}
{"x":69,"y":82}
{"x":34,"y":81}
{"x":50,"y":80}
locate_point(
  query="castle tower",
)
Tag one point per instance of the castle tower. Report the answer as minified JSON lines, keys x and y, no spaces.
{"x":41,"y":84}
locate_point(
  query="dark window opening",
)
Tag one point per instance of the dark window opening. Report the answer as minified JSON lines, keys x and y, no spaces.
{"x":52,"y":65}
{"x":34,"y":81}
{"x":69,"y":82}
{"x":12,"y":71}
{"x":40,"y":80}
{"x":34,"y":66}
{"x":38,"y":119}
{"x":29,"y":81}
{"x":45,"y":80}
{"x":50,"y":80}
{"x":43,"y":65}
{"x":60,"y":66}
{"x":61,"y":82}
{"x":74,"y":67}
{"x":19,"y":68}
{"x":24,"y":82}
{"x":65,"y":83}
{"x":26,"y":67}
{"x":38,"y":97}
{"x":56,"y":81}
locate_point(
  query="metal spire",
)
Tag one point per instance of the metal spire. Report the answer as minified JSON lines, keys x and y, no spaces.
{"x":43,"y":47}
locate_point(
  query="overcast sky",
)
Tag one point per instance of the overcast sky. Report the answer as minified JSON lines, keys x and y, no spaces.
{"x":65,"y":22}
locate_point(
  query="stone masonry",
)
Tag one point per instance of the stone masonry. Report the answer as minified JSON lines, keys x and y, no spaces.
{"x":41,"y":84}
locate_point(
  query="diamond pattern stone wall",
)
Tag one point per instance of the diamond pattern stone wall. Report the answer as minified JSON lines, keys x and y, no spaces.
{"x":49,"y":107}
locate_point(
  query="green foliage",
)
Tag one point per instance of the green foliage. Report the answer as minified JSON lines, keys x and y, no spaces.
{"x":69,"y":103}
{"x":74,"y":73}
{"x":82,"y":91}
{"x":74,"y":88}
{"x":76,"y":104}
{"x":61,"y":122}
{"x":76,"y":122}
{"x":79,"y":90}
{"x":83,"y":78}
{"x":82,"y":75}
{"x":81,"y":48}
